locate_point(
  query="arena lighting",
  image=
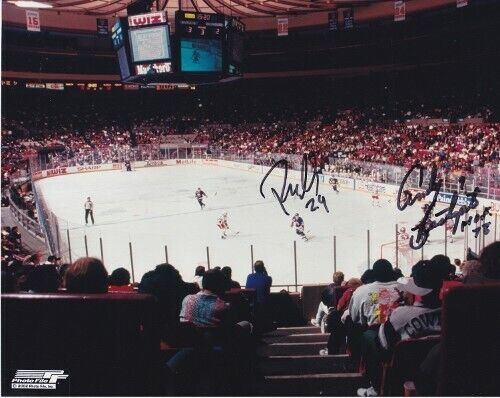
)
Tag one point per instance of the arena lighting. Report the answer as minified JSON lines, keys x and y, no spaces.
{"x":29,"y":4}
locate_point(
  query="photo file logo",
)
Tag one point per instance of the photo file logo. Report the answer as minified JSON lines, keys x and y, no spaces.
{"x":37,"y":379}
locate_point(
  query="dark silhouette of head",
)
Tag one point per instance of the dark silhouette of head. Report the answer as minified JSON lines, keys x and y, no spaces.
{"x":382,"y":271}
{"x":259,"y":266}
{"x":214,"y":281}
{"x":119,"y":277}
{"x":86,"y":275}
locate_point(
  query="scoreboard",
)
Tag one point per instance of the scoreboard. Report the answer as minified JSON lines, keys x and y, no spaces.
{"x":196,"y":24}
{"x":205,"y":47}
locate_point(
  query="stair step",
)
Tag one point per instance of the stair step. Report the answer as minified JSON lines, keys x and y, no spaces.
{"x":298,"y":338}
{"x":299,"y":329}
{"x":305,"y":364}
{"x":333,"y":384}
{"x":289,"y":349}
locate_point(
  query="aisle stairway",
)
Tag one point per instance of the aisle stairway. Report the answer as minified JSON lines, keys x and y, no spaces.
{"x":291,"y":365}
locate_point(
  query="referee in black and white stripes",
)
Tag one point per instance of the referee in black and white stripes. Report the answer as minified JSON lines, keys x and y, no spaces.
{"x":89,"y":210}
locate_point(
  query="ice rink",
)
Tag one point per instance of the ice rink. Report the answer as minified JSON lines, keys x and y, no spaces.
{"x":154,"y":207}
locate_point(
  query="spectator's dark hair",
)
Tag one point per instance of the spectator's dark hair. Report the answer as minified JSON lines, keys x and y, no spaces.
{"x":216,"y":268}
{"x":259,"y":266}
{"x":457,"y":262}
{"x":86,"y":275}
{"x":119,"y":277}
{"x":367,"y":277}
{"x":169,"y":270}
{"x":398,"y":273}
{"x":417,"y":266}
{"x":214,"y":281}
{"x":228,"y":272}
{"x":382,"y":271}
{"x":43,"y":279}
{"x":490,"y":261}
{"x":199,"y":271}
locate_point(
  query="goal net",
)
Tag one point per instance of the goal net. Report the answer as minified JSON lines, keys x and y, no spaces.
{"x":399,"y":252}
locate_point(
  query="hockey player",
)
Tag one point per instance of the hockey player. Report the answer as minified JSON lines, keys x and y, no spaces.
{"x":449,"y":230}
{"x":376,"y":199}
{"x":223,"y":225}
{"x":298,"y":223}
{"x":199,"y":194}
{"x":334,"y":183}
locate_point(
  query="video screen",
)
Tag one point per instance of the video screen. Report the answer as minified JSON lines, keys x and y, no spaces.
{"x":122,"y":61}
{"x":149,"y":44}
{"x":201,"y":55}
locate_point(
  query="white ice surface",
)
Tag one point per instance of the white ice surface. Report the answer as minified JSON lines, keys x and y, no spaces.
{"x":154,"y":207}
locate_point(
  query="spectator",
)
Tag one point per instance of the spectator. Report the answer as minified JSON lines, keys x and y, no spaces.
{"x":372,"y":303}
{"x":406,"y":322}
{"x":260,"y":281}
{"x":119,"y":281}
{"x":336,"y":327}
{"x":328,"y":300}
{"x":485,"y":271}
{"x":228,"y":272}
{"x":206,"y":308}
{"x":166,"y":284}
{"x":43,"y":279}
{"x":198,"y":275}
{"x":86,"y":275}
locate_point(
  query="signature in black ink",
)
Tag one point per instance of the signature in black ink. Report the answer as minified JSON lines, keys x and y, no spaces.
{"x":297,"y":190}
{"x":426,"y":225}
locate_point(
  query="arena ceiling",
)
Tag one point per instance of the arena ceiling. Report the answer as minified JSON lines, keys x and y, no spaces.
{"x":242,"y":8}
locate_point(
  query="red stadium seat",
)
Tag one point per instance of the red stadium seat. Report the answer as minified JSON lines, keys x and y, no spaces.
{"x":407,"y":356}
{"x":470,"y":349}
{"x":108,"y":343}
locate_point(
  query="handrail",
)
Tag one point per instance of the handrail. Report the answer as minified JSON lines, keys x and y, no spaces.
{"x":29,"y":224}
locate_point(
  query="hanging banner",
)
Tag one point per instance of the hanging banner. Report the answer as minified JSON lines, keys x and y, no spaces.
{"x":102,"y":27}
{"x":282,"y":26}
{"x":333,"y":20}
{"x":399,"y":11}
{"x":33,"y":21}
{"x":462,"y":3}
{"x":348,"y":18}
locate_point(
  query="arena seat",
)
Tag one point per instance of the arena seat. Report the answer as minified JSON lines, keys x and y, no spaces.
{"x":470,"y":348}
{"x":311,"y":296}
{"x":108,"y":343}
{"x":407,"y":356}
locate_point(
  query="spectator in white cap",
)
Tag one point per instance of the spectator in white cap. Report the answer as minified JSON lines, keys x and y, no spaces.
{"x":405,"y":322}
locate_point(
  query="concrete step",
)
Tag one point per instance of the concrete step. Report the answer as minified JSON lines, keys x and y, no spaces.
{"x":305,"y":364}
{"x":289,"y":349}
{"x":332,"y":384}
{"x":298,"y":329}
{"x":298,"y":338}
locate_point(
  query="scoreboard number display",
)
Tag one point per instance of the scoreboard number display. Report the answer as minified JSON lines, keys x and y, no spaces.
{"x":196,"y":24}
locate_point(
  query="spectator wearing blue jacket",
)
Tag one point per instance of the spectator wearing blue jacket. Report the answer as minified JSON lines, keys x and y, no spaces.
{"x":260,"y":281}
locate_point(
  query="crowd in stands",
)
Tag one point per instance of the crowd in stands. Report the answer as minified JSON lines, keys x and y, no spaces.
{"x":369,"y":316}
{"x":370,"y":134}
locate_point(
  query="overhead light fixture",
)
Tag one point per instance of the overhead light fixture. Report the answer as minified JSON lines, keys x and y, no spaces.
{"x":29,"y":4}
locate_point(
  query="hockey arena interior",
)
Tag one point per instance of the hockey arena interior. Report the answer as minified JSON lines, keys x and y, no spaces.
{"x":250,"y":198}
